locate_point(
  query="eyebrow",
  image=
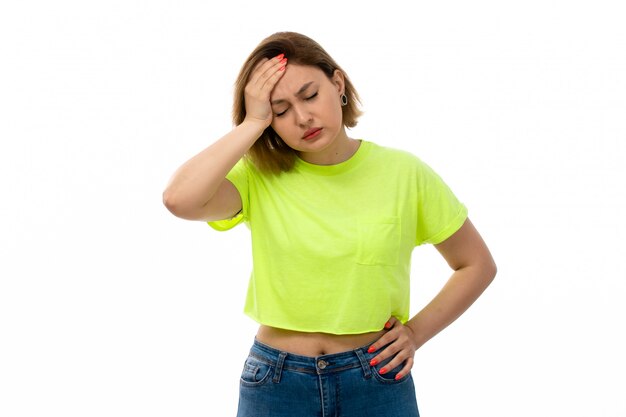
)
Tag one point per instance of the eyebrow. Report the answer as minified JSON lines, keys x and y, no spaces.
{"x":300,"y":91}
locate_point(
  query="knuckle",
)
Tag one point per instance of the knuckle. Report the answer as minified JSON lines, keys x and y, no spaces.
{"x":380,"y":343}
{"x":249,"y":89}
{"x":387,"y":352}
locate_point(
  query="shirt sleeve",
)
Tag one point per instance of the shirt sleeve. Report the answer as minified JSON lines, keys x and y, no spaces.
{"x":440,"y":213}
{"x":240,"y":178}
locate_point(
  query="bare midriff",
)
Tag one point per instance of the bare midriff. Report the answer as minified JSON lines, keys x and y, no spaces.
{"x":313,"y":344}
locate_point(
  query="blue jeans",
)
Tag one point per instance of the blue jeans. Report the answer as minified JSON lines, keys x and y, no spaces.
{"x":281,"y":384}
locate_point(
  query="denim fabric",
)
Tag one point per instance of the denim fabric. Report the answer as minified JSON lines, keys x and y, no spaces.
{"x":281,"y":384}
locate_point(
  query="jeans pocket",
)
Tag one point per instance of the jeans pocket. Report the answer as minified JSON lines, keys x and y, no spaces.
{"x":255,"y":372}
{"x":389,"y":377}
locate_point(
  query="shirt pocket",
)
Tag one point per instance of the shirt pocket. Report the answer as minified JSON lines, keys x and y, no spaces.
{"x":378,"y":241}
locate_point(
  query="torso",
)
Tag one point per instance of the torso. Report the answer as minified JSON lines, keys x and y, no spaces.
{"x":313,"y":344}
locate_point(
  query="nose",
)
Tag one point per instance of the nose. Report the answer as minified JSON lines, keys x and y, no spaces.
{"x":303,"y":116}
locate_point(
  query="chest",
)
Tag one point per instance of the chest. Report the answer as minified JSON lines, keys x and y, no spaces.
{"x":334,"y":219}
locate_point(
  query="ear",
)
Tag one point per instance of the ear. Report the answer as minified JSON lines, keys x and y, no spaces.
{"x":339,"y":81}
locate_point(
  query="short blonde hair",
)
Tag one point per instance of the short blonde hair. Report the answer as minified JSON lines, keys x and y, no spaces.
{"x":269,"y":153}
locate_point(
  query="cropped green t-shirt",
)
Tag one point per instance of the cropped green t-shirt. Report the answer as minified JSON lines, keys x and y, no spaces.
{"x":331,"y":245}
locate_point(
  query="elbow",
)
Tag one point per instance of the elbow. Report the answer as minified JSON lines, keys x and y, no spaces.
{"x":183,"y":207}
{"x":494,"y":270}
{"x":491,"y":269}
{"x":485,"y":270}
{"x":170,"y":201}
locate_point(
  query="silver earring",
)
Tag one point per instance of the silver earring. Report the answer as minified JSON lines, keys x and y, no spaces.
{"x":344,"y":100}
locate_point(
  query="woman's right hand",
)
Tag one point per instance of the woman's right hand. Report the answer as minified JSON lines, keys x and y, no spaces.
{"x":257,"y":92}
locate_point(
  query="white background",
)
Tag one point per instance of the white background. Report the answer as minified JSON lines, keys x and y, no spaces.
{"x":111,"y":306}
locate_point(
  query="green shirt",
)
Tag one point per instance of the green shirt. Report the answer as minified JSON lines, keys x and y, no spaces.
{"x":331,"y":245}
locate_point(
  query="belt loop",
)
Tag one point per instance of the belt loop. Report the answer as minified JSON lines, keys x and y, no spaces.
{"x":367,"y":372}
{"x":279,"y":367}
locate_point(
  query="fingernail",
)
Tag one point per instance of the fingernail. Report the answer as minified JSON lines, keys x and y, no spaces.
{"x":281,"y":69}
{"x":372,"y":349}
{"x":387,"y":325}
{"x":373,"y":362}
{"x":398,"y":376}
{"x":280,"y":56}
{"x":383,"y":371}
{"x":282,"y":61}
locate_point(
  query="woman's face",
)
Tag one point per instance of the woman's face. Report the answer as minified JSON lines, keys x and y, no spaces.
{"x":307,"y":109}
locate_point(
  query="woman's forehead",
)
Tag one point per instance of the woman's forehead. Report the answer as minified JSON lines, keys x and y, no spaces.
{"x":297,"y":76}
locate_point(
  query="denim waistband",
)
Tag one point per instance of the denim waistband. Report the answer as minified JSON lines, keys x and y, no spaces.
{"x":323,"y":364}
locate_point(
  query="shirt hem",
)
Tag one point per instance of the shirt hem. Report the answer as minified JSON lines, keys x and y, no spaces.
{"x":313,"y":329}
{"x":452,"y":228}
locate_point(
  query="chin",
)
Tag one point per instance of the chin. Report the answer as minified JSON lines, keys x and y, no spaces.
{"x":315,"y":146}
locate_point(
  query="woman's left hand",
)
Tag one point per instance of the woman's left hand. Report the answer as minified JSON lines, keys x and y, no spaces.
{"x":402,"y":343}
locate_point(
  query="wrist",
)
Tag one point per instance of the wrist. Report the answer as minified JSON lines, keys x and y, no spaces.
{"x":249,"y":131}
{"x":418,"y":337}
{"x":257,"y":124}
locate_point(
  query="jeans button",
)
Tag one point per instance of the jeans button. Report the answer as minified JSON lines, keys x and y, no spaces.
{"x":322,"y":364}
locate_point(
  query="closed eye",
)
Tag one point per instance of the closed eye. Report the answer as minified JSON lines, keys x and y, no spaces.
{"x":307,"y":99}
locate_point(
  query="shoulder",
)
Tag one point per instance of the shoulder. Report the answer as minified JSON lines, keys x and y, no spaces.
{"x":395,"y":157}
{"x":246,"y":167}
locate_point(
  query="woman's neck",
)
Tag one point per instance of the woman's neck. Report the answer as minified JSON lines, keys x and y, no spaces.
{"x":340,"y":150}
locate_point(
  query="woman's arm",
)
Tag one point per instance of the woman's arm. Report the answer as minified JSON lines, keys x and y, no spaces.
{"x":474,"y":269}
{"x":198,"y":189}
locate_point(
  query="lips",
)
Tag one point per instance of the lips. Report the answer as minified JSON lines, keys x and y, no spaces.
{"x":311,"y":132}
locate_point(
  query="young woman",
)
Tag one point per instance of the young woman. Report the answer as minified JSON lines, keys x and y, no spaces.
{"x":333,"y":222}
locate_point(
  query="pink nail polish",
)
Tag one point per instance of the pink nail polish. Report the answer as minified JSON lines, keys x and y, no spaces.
{"x":281,"y":69}
{"x":372,"y":349}
{"x":373,"y":362}
{"x":382,"y":371}
{"x":387,"y":325}
{"x":398,"y":376}
{"x":280,"y":56}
